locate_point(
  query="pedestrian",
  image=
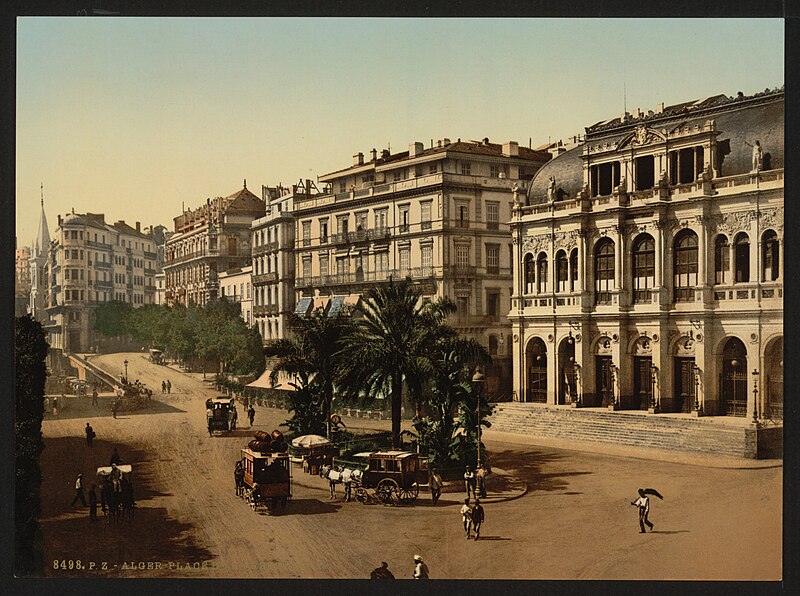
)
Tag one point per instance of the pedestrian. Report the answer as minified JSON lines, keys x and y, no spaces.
{"x":466,"y":517}
{"x":169,"y":386}
{"x":420,"y":568}
{"x":435,"y":484}
{"x":93,"y":503}
{"x":382,"y":572}
{"x":209,"y":418}
{"x":643,"y":505}
{"x":114,"y":407}
{"x":348,"y":489}
{"x":480,"y":477}
{"x":234,"y":418}
{"x":115,"y":458}
{"x":469,"y":481}
{"x":94,"y":396}
{"x":246,"y":402}
{"x":55,"y":405}
{"x":251,"y":414}
{"x":90,"y":435}
{"x":478,"y":516}
{"x":163,"y":387}
{"x":238,"y":477}
{"x":79,"y":492}
{"x":332,"y":486}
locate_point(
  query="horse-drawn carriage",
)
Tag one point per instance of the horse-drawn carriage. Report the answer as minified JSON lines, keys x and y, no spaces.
{"x":156,"y":356}
{"x":394,"y":476}
{"x":267,"y":478}
{"x":116,"y":491}
{"x":219,"y":414}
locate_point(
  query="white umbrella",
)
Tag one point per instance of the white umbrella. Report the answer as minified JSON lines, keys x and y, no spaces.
{"x":309,"y":441}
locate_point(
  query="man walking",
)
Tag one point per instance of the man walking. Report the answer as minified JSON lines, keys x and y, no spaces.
{"x":477,"y":518}
{"x":480,"y":478}
{"x":163,"y":386}
{"x":94,"y":396}
{"x":643,"y":504}
{"x":234,"y":418}
{"x":114,"y":406}
{"x":469,"y":482}
{"x":89,"y":435}
{"x":169,"y":386}
{"x":466,"y":517}
{"x":79,"y":492}
{"x":251,"y":414}
{"x":209,"y":417}
{"x":435,"y":484}
{"x":420,"y":568}
{"x":93,"y":503}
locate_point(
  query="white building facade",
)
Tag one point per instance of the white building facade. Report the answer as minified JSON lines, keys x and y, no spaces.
{"x":648,"y":264}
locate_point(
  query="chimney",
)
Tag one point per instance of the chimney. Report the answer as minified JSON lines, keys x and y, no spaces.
{"x":415,"y":148}
{"x":59,"y":219}
{"x":511,"y":149}
{"x":139,"y":227}
{"x":660,"y":108}
{"x":373,"y":154}
{"x":385,"y":153}
{"x":358,"y":159}
{"x":308,"y":185}
{"x":445,"y":141}
{"x":439,"y":143}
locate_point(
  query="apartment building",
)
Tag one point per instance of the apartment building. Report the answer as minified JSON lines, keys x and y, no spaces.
{"x":235,"y":285}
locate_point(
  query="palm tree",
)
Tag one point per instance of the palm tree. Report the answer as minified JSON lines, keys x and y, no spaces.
{"x":312,"y":354}
{"x":390,"y":344}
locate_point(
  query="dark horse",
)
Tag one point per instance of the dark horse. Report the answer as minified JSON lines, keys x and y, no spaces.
{"x":126,"y":498}
{"x":110,"y":500}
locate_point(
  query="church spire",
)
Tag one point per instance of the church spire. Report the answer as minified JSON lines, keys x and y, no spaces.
{"x":43,"y":237}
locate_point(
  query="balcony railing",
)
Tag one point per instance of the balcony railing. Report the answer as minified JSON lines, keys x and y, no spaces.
{"x":266,"y":310}
{"x":265,"y":278}
{"x":366,"y":277}
{"x":184,"y":258}
{"x":462,"y":270}
{"x":103,"y":265}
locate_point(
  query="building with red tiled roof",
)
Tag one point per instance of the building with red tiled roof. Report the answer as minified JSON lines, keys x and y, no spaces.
{"x":208,"y":240}
{"x":436,"y":214}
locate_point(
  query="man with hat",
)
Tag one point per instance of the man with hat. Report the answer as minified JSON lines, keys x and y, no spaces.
{"x":420,"y":568}
{"x":477,"y":518}
{"x":382,"y":572}
{"x":79,"y":492}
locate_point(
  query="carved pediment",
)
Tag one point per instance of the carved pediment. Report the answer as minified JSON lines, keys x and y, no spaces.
{"x":642,"y":135}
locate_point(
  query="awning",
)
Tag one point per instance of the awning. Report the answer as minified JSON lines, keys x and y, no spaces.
{"x":336,"y":306}
{"x":303,"y":306}
{"x":264,"y":382}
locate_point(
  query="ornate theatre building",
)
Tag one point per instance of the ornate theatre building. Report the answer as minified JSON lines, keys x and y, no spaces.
{"x":649,"y":264}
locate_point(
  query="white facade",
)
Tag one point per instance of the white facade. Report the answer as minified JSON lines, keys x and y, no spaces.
{"x":236,"y":286}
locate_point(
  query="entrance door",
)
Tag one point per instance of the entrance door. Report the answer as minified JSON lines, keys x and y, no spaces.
{"x":684,"y":384}
{"x":604,"y":387}
{"x":642,"y":383}
{"x":537,"y":381}
{"x":733,"y":388}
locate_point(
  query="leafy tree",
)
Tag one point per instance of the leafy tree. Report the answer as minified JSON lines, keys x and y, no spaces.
{"x":111,"y":318}
{"x":306,"y":405}
{"x":313,"y":355}
{"x":390,"y":345}
{"x":30,"y":372}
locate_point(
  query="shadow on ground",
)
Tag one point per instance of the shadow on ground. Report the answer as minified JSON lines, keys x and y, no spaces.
{"x":533,"y":473}
{"x":81,"y":407}
{"x":69,"y":534}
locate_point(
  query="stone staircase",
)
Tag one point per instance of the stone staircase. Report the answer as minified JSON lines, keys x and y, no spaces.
{"x":670,"y":432}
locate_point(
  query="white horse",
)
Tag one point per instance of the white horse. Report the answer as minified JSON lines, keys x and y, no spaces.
{"x":339,"y":475}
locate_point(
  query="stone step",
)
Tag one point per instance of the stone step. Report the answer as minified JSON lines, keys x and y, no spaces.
{"x":674,"y":434}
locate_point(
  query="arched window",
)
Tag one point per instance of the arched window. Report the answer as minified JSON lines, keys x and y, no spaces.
{"x":644,"y":267}
{"x":741,"y":246}
{"x":769,"y":248}
{"x":722,"y":260}
{"x":685,"y":265}
{"x":603,"y":271}
{"x":573,"y":266}
{"x":562,"y":271}
{"x":541,"y":273}
{"x":529,"y":273}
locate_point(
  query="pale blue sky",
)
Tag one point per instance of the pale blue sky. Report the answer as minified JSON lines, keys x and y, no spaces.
{"x":132,"y":117}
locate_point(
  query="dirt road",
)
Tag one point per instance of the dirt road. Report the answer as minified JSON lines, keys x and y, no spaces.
{"x":575,"y":521}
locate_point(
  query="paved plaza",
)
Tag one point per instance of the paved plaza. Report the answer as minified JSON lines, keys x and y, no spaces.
{"x":572,"y":519}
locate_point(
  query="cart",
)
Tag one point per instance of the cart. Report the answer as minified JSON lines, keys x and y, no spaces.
{"x":267,"y":479}
{"x":156,"y":356}
{"x":220,"y":419}
{"x":393,"y":475}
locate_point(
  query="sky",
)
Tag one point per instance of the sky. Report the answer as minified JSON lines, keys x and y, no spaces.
{"x":135,"y":117}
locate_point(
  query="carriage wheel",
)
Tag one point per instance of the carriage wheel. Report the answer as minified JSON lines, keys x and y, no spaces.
{"x":388,"y":491}
{"x":409,"y":495}
{"x":362,"y":496}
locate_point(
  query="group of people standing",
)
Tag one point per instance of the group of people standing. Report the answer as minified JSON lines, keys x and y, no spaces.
{"x":166,"y":386}
{"x":117,"y":488}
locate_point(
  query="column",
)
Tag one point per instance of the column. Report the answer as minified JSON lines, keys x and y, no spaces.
{"x":618,"y":248}
{"x":702,"y":257}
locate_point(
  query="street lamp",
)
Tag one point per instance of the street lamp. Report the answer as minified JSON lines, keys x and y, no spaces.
{"x":125,"y":362}
{"x":696,"y":370}
{"x":653,"y":380}
{"x":477,"y":381}
{"x":613,"y":370}
{"x":755,"y":396}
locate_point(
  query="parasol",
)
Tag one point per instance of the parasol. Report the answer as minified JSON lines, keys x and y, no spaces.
{"x":309,"y":441}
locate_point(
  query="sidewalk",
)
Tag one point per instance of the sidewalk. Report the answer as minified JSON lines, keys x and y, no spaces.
{"x":678,"y":457}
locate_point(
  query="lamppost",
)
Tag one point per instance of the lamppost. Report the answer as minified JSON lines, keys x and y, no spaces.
{"x":613,"y":370}
{"x":477,"y":381}
{"x":755,"y":396}
{"x":653,"y":381}
{"x":125,"y":362}
{"x":696,"y":370}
